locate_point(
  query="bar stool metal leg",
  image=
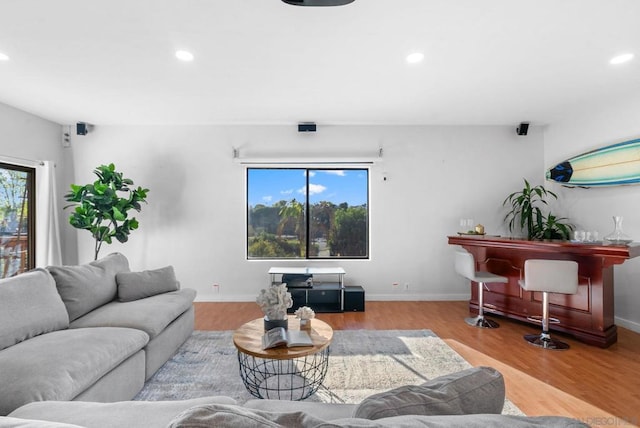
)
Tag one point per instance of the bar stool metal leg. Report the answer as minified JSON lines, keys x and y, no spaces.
{"x":480,"y":320}
{"x":544,"y":339}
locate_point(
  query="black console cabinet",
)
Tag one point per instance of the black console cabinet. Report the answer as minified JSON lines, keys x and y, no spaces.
{"x":320,"y":298}
{"x":353,"y":298}
{"x":308,"y":288}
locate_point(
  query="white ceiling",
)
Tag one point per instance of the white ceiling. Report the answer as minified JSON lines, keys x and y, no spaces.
{"x":487,"y":62}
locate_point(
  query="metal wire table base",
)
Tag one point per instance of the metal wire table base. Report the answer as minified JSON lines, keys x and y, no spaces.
{"x":290,"y":379}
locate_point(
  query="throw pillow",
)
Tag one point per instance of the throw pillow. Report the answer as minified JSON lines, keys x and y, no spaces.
{"x":138,"y":285}
{"x":29,"y":306}
{"x":476,"y":390}
{"x":222,"y":415}
{"x":86,"y":287}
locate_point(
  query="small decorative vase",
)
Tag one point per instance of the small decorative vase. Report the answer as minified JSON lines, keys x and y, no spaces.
{"x":305,"y":324}
{"x":618,"y":236}
{"x":269,"y":323}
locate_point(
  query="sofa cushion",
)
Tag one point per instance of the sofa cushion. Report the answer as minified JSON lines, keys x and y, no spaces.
{"x":458,"y":421}
{"x":147,"y":414}
{"x":138,"y":285}
{"x":325,"y":411}
{"x":152,"y":314}
{"x":475,"y":390}
{"x":221,"y":415}
{"x":230,"y":416}
{"x":7,"y":422}
{"x":62,"y":364}
{"x":85,"y":287}
{"x":29,"y":306}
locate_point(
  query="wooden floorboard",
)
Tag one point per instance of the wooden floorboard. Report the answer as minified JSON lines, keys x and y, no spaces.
{"x":599,"y":386}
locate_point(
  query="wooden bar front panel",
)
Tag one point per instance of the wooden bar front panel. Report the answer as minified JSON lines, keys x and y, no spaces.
{"x":588,"y":315}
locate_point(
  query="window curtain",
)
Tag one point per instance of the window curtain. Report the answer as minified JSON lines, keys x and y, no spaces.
{"x":48,"y":250}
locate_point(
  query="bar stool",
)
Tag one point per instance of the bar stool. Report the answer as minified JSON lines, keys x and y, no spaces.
{"x":549,"y":276}
{"x":465,"y":265}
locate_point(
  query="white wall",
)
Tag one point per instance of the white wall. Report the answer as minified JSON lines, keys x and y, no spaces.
{"x":30,"y":137}
{"x":195,"y":218}
{"x":592,"y":209}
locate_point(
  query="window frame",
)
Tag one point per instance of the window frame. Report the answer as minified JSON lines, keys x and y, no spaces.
{"x":307,"y":205}
{"x":31,"y":214}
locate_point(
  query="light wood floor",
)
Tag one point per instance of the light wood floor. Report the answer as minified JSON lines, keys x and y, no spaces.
{"x":598,"y":386}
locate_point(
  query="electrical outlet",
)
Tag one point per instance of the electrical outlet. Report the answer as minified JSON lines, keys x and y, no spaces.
{"x":394,"y":285}
{"x":216,"y":287}
{"x":406,"y":286}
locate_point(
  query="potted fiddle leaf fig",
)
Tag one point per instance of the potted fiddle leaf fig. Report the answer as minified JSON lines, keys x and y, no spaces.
{"x":526,"y":214}
{"x":103,"y":207}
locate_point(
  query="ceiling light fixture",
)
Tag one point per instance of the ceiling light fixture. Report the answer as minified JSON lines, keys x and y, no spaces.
{"x":184,"y":55}
{"x":621,"y":58}
{"x":415,"y":57}
{"x":4,"y":57}
{"x":318,"y":2}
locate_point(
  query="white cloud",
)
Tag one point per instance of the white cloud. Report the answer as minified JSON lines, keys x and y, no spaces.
{"x":314,"y":189}
{"x":267,"y":198}
{"x":286,"y":192}
{"x":339,"y":172}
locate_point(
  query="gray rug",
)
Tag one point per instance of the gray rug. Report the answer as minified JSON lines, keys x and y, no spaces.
{"x":361,"y":363}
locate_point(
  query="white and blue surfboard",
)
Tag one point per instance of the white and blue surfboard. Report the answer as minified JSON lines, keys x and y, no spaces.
{"x":612,"y":165}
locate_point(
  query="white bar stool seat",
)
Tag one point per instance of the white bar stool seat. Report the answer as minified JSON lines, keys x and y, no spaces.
{"x":465,"y":265}
{"x":549,"y":276}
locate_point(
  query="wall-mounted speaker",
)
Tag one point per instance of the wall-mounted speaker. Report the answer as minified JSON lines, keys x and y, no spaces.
{"x":522,"y":129}
{"x":82,"y":128}
{"x":306,"y":127}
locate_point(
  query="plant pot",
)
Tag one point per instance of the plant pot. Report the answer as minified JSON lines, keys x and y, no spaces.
{"x":269,"y":324}
{"x":305,"y":324}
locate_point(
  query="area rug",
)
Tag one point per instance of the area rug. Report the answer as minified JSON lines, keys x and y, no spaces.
{"x":361,"y":363}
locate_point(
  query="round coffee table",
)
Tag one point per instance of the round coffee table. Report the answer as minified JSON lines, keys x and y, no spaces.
{"x":283,"y":373}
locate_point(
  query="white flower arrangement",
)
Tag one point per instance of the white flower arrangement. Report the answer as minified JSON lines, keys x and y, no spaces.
{"x":274,"y":301}
{"x":305,"y":313}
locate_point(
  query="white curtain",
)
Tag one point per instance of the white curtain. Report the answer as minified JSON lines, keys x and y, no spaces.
{"x":48,"y":250}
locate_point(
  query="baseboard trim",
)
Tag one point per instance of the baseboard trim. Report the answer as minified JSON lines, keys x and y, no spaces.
{"x":631,"y":325}
{"x":396,"y":297}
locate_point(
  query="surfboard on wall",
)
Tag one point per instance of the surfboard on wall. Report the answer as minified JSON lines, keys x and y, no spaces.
{"x":612,"y":165}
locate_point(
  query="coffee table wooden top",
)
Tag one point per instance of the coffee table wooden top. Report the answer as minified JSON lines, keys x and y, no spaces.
{"x":248,"y":339}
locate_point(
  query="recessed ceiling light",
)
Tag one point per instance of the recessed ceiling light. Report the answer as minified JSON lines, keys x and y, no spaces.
{"x":621,"y":58}
{"x":4,"y":57}
{"x":317,"y":2}
{"x":184,"y":55}
{"x":415,"y":57}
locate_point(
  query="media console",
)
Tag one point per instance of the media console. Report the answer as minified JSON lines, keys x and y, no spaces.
{"x":321,"y":296}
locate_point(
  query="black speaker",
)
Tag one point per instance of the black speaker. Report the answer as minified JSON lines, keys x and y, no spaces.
{"x":306,"y":127}
{"x":523,"y":129}
{"x":81,"y":128}
{"x":353,"y":298}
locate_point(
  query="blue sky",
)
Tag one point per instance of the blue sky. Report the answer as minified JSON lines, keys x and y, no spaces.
{"x":267,"y":186}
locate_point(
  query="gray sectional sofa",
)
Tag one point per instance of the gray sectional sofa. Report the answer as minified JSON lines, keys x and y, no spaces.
{"x":470,"y":398}
{"x":78,"y":342}
{"x":92,"y":332}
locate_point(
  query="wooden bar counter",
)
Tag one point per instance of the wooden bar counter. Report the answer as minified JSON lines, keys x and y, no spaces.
{"x":587,"y":315}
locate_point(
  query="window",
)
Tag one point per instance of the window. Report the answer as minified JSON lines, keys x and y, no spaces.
{"x":307,"y":213}
{"x":17,"y":219}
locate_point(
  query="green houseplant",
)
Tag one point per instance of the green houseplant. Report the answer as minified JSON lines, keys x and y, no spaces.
{"x":102,"y":207}
{"x":526,"y":214}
